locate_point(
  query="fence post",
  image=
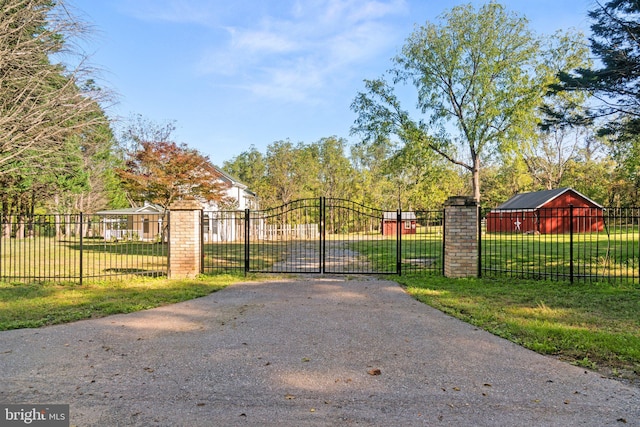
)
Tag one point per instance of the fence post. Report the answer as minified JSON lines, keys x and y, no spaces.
{"x":247,"y":247}
{"x":444,"y":239}
{"x":479,"y":214}
{"x":1,"y":243}
{"x":399,"y":242}
{"x":322,"y":222}
{"x":461,"y":236}
{"x":185,"y":237}
{"x":81,"y":245}
{"x":570,"y":243}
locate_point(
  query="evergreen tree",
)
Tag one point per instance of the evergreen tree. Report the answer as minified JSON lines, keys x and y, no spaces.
{"x":44,"y":106}
{"x":616,"y":84}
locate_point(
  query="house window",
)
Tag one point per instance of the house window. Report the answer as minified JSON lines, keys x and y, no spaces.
{"x":145,"y":225}
{"x":407,"y":225}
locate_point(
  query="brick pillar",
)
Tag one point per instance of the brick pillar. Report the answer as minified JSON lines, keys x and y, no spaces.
{"x":185,"y":239}
{"x":461,"y":237}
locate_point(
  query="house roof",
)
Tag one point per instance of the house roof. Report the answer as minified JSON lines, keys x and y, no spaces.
{"x":233,"y":181}
{"x":148,"y":208}
{"x":537,"y":199}
{"x":393,"y":216}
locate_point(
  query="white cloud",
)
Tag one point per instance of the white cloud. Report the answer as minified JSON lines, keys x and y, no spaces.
{"x":294,"y":54}
{"x":294,"y":83}
{"x":288,"y":50}
{"x":262,"y":41}
{"x":361,"y":10}
{"x":176,"y":11}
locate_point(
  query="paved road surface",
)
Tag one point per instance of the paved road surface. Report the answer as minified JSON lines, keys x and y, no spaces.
{"x":313,"y":352}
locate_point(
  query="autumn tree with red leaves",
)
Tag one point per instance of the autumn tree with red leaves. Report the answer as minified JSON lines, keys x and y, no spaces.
{"x":163,"y":172}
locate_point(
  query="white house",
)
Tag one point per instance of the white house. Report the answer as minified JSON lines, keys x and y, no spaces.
{"x":222,"y":222}
{"x":225,"y":222}
{"x":141,"y":223}
{"x":242,"y":198}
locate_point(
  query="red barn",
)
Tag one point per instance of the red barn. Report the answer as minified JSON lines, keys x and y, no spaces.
{"x":546,"y":212}
{"x":390,"y":223}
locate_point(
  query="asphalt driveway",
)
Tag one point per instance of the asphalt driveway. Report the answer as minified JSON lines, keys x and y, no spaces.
{"x":315,"y":351}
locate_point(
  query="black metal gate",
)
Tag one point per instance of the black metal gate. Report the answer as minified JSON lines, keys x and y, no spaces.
{"x":286,"y":239}
{"x":328,"y":235}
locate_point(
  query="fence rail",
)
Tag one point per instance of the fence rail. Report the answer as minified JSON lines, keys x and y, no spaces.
{"x":324,"y":235}
{"x":78,"y":247}
{"x":566,"y":243}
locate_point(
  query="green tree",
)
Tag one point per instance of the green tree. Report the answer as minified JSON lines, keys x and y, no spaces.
{"x":478,"y":80}
{"x":614,"y":87}
{"x":557,"y":141}
{"x":504,"y":179}
{"x":334,"y":171}
{"x":100,"y":161}
{"x":547,"y":160}
{"x":598,"y":180}
{"x":290,"y":170}
{"x":616,"y":42}
{"x":163,"y":172}
{"x":371,"y":183}
{"x":250,"y":168}
{"x":422,"y":178}
{"x":41,"y":101}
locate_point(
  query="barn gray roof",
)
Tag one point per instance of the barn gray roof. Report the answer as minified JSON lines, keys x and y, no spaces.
{"x":537,"y":199}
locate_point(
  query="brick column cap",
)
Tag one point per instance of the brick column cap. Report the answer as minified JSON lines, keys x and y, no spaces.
{"x":461,"y":201}
{"x":185,"y":205}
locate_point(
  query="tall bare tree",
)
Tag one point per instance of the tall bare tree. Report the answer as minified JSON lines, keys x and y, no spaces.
{"x":41,"y":101}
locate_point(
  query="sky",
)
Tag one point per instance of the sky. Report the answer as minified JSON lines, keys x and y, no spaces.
{"x":232,"y":74}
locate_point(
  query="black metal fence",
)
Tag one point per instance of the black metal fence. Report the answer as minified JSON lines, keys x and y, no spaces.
{"x":223,"y":241}
{"x":326,"y":236}
{"x":323,"y":235}
{"x":285,"y":239}
{"x":566,"y":243}
{"x":77,"y":247}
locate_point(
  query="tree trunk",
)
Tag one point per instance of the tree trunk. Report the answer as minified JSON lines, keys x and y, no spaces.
{"x":58,"y":222}
{"x":5,"y":220}
{"x":31,"y":230}
{"x":67,"y":225}
{"x":20,"y":227}
{"x":475,"y":177}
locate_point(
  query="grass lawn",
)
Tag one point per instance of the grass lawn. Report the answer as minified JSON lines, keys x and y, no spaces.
{"x":53,"y":259}
{"x":594,"y":325}
{"x":605,"y":255}
{"x":40,"y":304}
